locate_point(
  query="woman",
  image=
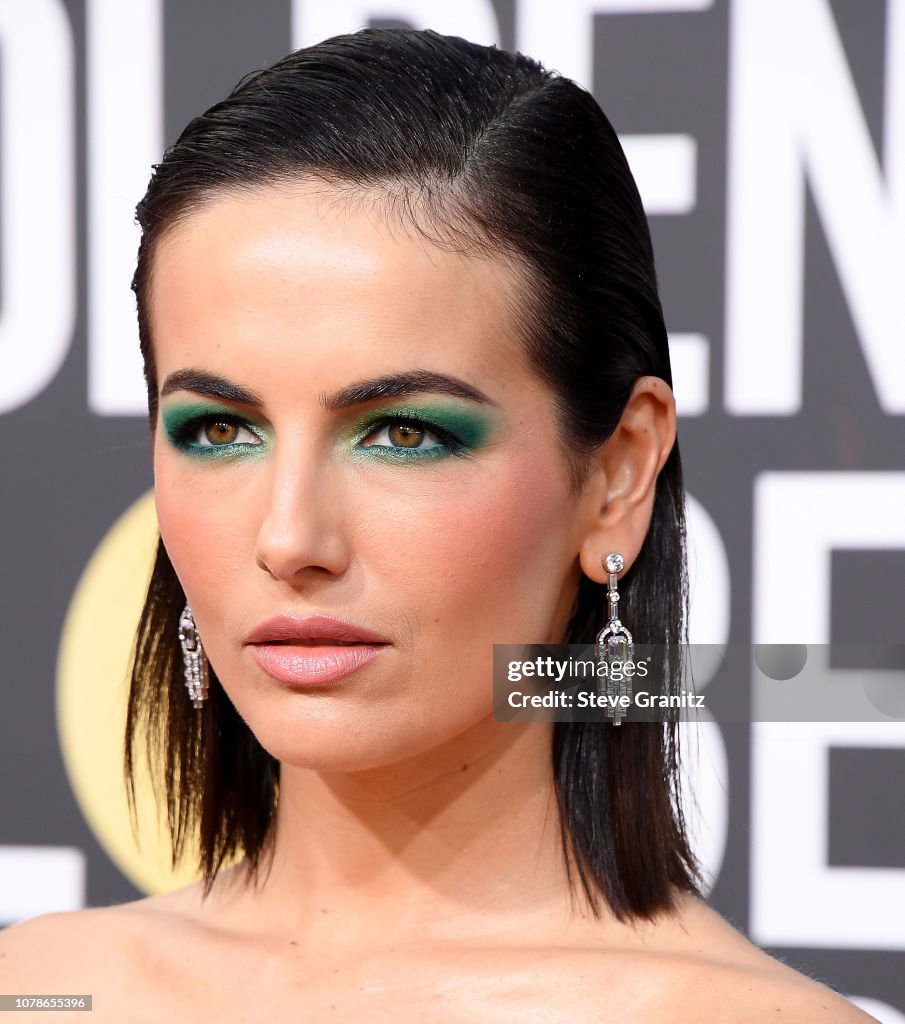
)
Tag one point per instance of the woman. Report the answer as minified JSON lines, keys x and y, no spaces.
{"x":409,"y":387}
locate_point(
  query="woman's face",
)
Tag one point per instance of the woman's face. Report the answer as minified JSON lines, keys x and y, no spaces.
{"x":433,"y":509}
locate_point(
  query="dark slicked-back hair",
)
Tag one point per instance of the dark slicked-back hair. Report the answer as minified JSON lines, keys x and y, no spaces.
{"x":482,"y":151}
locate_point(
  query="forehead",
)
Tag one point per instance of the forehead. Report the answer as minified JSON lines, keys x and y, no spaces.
{"x":312,"y":266}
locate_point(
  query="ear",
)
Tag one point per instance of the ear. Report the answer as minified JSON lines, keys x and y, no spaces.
{"x":622,"y":498}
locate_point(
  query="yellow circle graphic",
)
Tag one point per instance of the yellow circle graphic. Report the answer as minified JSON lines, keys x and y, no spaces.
{"x":92,"y":689}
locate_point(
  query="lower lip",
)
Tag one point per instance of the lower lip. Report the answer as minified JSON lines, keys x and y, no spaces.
{"x":302,"y":665}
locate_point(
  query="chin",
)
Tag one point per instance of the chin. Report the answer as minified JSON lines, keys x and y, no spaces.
{"x":333,"y":744}
{"x":356,"y":743}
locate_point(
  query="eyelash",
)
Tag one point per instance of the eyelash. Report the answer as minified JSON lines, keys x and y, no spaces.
{"x":183,"y":435}
{"x":449,"y":443}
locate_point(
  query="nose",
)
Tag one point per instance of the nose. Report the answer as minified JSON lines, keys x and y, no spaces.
{"x":301,"y":527}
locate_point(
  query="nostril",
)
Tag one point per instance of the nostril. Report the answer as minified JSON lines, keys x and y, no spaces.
{"x":288,"y":546}
{"x":262,"y":564}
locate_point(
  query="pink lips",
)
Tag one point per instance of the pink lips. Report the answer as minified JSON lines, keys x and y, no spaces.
{"x":313,"y":650}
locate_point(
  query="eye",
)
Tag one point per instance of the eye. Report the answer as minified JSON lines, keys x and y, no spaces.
{"x":404,"y":433}
{"x":220,"y":431}
{"x":212,"y":431}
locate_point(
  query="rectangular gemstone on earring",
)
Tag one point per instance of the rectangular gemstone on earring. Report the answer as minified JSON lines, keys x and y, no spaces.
{"x":615,"y":661}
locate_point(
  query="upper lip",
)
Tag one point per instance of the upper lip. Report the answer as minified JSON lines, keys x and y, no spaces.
{"x":289,"y":628}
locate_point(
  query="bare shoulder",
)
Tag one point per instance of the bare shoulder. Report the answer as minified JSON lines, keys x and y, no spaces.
{"x":717,"y":991}
{"x":122,"y":956}
{"x":747,"y":995}
{"x":106,"y":947}
{"x":711,"y":972}
{"x":52,"y":952}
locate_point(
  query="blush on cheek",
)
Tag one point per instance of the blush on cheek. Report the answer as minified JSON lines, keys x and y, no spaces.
{"x":178,"y":525}
{"x":191,"y":538}
{"x":526,"y":511}
{"x":495,"y":554}
{"x":209,"y":533}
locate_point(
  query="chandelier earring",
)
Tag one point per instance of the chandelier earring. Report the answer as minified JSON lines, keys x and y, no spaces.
{"x":614,"y":648}
{"x":194,"y":660}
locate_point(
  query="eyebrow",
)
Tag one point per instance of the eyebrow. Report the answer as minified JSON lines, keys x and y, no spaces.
{"x":394,"y":385}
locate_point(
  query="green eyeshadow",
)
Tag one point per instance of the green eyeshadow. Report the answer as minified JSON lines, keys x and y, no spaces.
{"x":183,"y":420}
{"x":458,"y":431}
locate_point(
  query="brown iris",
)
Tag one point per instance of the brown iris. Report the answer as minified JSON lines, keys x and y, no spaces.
{"x":221,"y":432}
{"x":403,"y":435}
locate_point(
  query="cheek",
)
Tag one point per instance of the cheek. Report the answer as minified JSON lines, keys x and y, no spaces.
{"x":488,"y":550}
{"x":201,"y":529}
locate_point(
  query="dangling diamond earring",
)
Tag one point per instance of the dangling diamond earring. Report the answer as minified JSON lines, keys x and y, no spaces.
{"x":614,"y":644}
{"x":194,"y":660}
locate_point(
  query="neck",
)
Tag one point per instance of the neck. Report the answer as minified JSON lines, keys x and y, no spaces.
{"x":461,"y":841}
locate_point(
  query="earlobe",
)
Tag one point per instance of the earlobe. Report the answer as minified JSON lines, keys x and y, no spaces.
{"x":631,"y":459}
